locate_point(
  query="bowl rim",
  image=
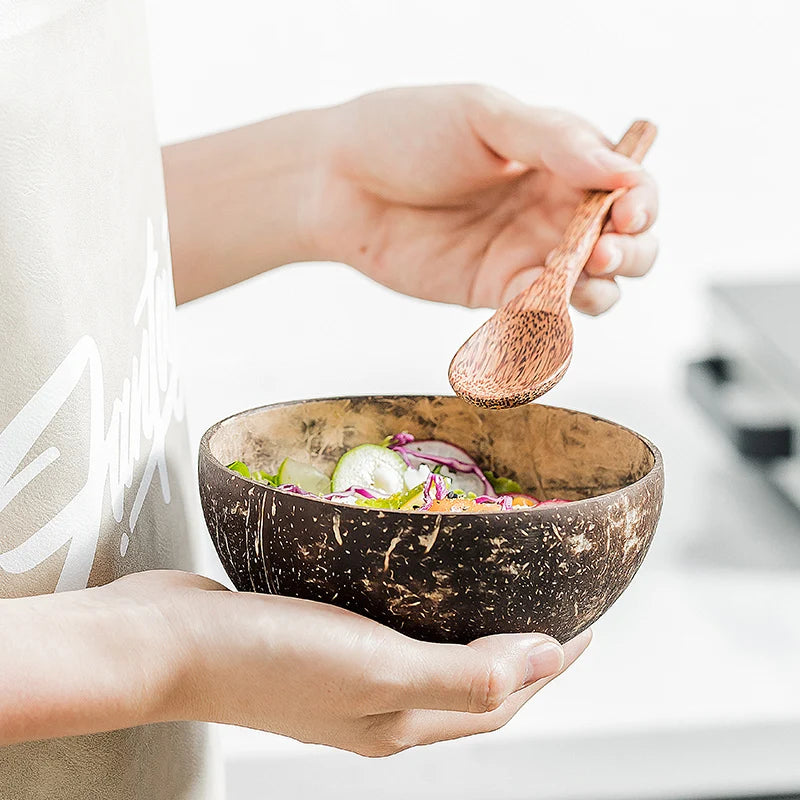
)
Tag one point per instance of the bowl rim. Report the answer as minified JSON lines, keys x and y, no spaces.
{"x":204,"y":449}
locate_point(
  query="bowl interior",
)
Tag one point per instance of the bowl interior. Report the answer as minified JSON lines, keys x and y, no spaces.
{"x":551,"y":452}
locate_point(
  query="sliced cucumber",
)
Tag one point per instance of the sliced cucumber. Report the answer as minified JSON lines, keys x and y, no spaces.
{"x":305,"y":476}
{"x":369,"y":466}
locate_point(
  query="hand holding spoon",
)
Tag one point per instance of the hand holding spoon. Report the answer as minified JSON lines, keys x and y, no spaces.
{"x":524,"y":349}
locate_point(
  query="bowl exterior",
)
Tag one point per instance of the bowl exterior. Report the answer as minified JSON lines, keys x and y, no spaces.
{"x":443,"y":578}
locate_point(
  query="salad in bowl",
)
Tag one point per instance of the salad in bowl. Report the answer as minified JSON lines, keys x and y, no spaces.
{"x":401,"y":474}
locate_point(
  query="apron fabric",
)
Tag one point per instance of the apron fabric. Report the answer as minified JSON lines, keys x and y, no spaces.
{"x":96,"y":477}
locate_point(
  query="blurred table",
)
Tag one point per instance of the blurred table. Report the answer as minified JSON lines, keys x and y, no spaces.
{"x":690,"y":688}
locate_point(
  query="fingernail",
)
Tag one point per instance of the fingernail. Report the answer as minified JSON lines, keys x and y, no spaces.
{"x":614,"y":260}
{"x":577,"y":645}
{"x":544,"y":660}
{"x":615,"y":162}
{"x":637,"y":223}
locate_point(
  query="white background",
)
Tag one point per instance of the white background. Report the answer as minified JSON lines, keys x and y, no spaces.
{"x":719,"y":79}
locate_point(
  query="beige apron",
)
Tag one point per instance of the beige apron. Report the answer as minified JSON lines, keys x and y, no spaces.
{"x":96,"y":478}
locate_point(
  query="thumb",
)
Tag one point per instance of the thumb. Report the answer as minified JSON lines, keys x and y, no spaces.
{"x":545,"y":138}
{"x":477,"y":677}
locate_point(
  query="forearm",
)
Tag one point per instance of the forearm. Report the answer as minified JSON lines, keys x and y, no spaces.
{"x":240,"y":202}
{"x":83,"y":662}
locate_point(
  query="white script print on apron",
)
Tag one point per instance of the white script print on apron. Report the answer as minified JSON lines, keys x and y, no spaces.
{"x":148,"y":401}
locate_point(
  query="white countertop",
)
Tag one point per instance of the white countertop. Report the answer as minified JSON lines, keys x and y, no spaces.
{"x":691,"y":684}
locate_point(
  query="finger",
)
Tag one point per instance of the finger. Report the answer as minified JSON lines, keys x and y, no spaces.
{"x":637,"y":209}
{"x":594,"y":296}
{"x":473,"y":678}
{"x":542,"y":137}
{"x":621,"y":255}
{"x":416,"y":727}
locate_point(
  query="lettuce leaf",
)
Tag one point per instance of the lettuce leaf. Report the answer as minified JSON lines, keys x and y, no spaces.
{"x":393,"y":502}
{"x":240,"y":467}
{"x":256,"y":474}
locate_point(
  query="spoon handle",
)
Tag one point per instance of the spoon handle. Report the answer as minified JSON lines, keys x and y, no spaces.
{"x":570,"y":256}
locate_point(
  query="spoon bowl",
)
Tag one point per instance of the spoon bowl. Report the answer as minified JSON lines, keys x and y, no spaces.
{"x":483,"y":374}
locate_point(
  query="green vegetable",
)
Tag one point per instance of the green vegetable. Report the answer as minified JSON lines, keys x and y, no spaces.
{"x":240,"y":467}
{"x":256,"y":474}
{"x":305,"y":476}
{"x":394,"y":502}
{"x":414,"y":500}
{"x":264,"y":477}
{"x":502,"y":485}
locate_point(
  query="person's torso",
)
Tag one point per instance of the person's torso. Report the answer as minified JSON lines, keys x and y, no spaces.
{"x":96,"y":478}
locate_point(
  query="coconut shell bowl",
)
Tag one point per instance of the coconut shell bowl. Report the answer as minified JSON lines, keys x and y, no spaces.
{"x":448,"y":577}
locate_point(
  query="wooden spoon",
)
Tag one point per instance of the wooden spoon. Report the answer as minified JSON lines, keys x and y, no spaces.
{"x":524,"y":349}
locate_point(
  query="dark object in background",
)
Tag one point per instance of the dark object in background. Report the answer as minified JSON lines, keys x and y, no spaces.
{"x":750,"y":386}
{"x":439,"y":577}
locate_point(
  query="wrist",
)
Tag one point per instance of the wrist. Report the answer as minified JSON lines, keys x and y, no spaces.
{"x":284,"y":161}
{"x":152,"y":660}
{"x":182,"y":644}
{"x":333,"y":215}
{"x":311,"y":159}
{"x":245,"y":201}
